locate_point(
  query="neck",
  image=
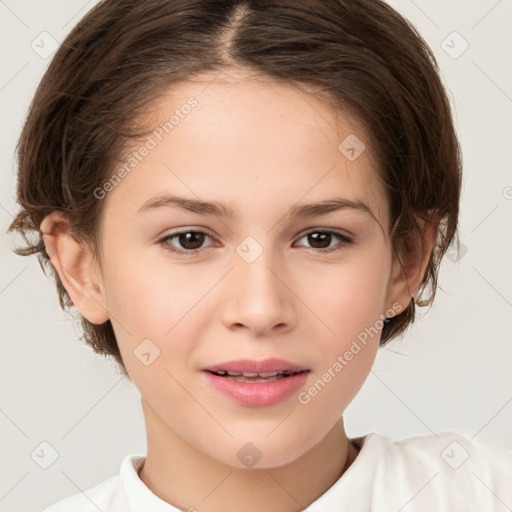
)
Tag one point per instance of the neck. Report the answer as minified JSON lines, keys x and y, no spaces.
{"x":189,"y":479}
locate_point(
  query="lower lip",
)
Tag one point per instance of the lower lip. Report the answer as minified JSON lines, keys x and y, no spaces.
{"x":258,"y":394}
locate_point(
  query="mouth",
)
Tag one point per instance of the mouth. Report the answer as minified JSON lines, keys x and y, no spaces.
{"x":267,"y":369}
{"x":257,"y":383}
{"x":255,"y":376}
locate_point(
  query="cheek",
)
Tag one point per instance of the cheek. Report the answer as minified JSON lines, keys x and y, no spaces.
{"x":350,"y":297}
{"x":349,"y":305}
{"x":150,"y":294}
{"x":155,"y":310}
{"x":345,"y":358}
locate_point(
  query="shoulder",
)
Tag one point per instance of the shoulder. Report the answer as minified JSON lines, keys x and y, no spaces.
{"x":107,"y":496}
{"x":448,"y":469}
{"x":456,"y":449}
{"x":98,"y":497}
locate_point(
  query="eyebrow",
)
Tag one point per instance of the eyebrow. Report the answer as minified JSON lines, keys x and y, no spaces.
{"x":219,"y":210}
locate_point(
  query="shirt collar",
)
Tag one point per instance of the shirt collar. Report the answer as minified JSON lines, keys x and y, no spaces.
{"x":138,"y":494}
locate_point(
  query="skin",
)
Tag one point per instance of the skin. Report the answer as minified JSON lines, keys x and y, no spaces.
{"x":260,"y":147}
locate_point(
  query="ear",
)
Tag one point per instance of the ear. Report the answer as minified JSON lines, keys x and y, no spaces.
{"x":74,"y":264}
{"x":407,"y":275}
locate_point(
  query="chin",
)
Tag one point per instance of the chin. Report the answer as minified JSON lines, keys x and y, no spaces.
{"x":261,"y":453}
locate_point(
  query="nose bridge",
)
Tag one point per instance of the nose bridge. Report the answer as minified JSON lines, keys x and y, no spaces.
{"x":253,"y":267}
{"x":260,"y":299}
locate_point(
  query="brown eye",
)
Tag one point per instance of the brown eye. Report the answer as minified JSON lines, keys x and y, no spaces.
{"x":189,"y":242}
{"x":320,"y":240}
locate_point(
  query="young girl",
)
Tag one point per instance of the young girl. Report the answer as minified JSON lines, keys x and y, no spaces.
{"x":244,"y":201}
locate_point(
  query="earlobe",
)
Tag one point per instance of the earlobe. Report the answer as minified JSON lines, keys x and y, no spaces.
{"x":74,"y":264}
{"x":408,"y":274}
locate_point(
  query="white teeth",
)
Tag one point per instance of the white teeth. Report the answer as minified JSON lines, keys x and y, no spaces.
{"x":263,"y":375}
{"x":268,"y":374}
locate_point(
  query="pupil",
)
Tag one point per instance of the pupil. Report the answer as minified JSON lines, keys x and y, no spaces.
{"x":322,"y":237}
{"x":191,"y":237}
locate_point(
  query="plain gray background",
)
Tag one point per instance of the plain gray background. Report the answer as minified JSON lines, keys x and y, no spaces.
{"x":450,"y":372}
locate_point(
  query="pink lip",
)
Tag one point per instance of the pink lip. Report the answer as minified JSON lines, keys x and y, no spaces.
{"x":257,"y":394}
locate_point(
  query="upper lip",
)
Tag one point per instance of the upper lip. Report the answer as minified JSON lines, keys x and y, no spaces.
{"x":253,"y":366}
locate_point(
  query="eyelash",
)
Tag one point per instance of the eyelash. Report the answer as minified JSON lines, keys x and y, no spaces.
{"x":165,"y":241}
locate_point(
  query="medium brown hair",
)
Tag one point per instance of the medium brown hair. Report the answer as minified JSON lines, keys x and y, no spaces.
{"x":123,"y":54}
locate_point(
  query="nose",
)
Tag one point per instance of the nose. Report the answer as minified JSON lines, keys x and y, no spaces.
{"x":260,"y":299}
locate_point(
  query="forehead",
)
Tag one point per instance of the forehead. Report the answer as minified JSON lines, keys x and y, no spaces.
{"x":248,"y":140}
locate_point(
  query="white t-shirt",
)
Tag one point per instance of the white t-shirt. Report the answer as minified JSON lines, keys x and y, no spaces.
{"x":445,"y":472}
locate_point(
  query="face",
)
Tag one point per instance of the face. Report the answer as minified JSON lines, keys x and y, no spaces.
{"x":255,"y":279}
